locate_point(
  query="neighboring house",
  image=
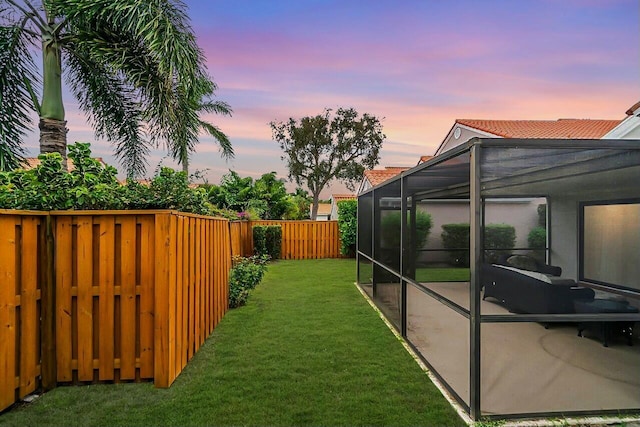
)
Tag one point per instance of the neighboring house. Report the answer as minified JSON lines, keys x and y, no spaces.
{"x":629,"y":128}
{"x":465,"y":129}
{"x":335,"y":198}
{"x":374,"y":177}
{"x":424,"y":159}
{"x":324,"y":211}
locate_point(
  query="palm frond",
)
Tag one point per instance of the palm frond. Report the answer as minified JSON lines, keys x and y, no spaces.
{"x":17,"y":75}
{"x":220,"y":137}
{"x":111,"y":106}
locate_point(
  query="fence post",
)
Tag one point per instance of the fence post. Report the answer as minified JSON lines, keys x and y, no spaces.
{"x":161,"y":302}
{"x":48,"y":362}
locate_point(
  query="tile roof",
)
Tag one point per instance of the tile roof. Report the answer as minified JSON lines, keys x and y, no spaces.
{"x":338,"y":197}
{"x":561,"y":128}
{"x":424,"y":159}
{"x":377,"y":176}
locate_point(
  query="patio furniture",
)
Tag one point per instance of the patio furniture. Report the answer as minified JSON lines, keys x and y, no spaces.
{"x":542,"y":291}
{"x":606,"y":330}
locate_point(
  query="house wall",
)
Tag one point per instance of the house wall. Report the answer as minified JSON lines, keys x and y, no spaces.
{"x":466,"y":134}
{"x":565,"y":232}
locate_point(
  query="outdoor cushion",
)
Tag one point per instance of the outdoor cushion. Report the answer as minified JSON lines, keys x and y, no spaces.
{"x":538,"y":276}
{"x":523,"y":262}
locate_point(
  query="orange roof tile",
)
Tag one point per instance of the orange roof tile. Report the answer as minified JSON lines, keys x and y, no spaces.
{"x":339,"y":197}
{"x":377,"y":176}
{"x":424,"y":159}
{"x":561,"y":129}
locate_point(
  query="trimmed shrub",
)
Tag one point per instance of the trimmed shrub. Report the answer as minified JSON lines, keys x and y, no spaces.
{"x":267,"y":240}
{"x":244,"y":276}
{"x":498,"y":239}
{"x":390,"y":228}
{"x":537,"y":238}
{"x":455,"y":238}
{"x":348,"y":226}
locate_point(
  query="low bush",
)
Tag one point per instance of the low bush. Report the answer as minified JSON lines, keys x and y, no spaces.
{"x":348,"y":226}
{"x":244,"y":276}
{"x":455,"y":238}
{"x":498,"y":239}
{"x":537,"y":238}
{"x":390,"y":228}
{"x":267,"y":240}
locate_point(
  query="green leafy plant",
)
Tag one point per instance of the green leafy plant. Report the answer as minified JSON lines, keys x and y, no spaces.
{"x":537,"y":238}
{"x":92,"y":185}
{"x":267,"y":240}
{"x":390,"y":226}
{"x":244,"y":276}
{"x":348,"y":226}
{"x":498,"y":239}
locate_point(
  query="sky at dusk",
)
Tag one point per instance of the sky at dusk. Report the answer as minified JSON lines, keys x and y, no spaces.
{"x":417,"y":64}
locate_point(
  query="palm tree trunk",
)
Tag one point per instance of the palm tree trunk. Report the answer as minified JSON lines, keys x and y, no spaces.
{"x":53,"y":137}
{"x":53,"y":131}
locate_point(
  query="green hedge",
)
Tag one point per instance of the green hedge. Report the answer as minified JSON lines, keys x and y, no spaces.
{"x":348,"y":226}
{"x":390,"y":228}
{"x":267,"y":240}
{"x":455,"y":238}
{"x":537,"y":238}
{"x":92,"y":185}
{"x":498,"y":239}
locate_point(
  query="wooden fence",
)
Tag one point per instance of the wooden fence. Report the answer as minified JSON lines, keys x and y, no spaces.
{"x":300,"y":239}
{"x":92,"y":296}
{"x":22,"y":253}
{"x":133,"y":297}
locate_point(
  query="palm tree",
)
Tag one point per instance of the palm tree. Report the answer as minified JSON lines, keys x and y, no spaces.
{"x":134,"y":67}
{"x":186,"y":143}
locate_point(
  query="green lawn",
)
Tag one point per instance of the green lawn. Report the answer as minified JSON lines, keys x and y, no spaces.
{"x":306,"y":350}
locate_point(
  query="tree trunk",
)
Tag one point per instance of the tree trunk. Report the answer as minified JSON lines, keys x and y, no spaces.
{"x":314,"y":206}
{"x":53,"y":137}
{"x":53,"y":131}
{"x":185,"y":166}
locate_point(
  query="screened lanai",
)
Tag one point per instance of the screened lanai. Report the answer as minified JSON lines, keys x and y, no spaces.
{"x":512,"y":267}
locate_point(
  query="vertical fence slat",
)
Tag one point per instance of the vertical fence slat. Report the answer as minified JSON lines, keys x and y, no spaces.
{"x":85,"y":298}
{"x":106,"y":298}
{"x":197,"y":283}
{"x":7,"y":311}
{"x":180,"y":265}
{"x":64,"y":275}
{"x":161,"y":302}
{"x":146,"y":296}
{"x":128,"y":298}
{"x":29,"y":339}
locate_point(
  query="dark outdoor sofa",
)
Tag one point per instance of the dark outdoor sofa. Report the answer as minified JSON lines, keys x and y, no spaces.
{"x":516,"y":283}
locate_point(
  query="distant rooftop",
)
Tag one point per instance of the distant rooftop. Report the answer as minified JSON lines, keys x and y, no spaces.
{"x":560,"y":129}
{"x":377,"y":176}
